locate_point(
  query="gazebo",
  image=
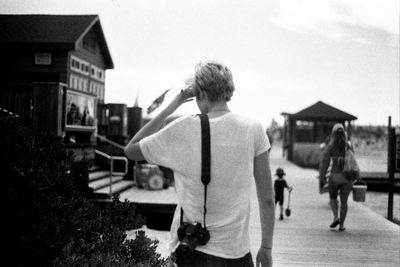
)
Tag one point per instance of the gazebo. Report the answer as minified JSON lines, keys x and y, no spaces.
{"x":305,"y":130}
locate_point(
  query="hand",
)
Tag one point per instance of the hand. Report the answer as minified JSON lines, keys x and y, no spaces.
{"x":185,"y":95}
{"x":264,"y":257}
{"x":290,"y":189}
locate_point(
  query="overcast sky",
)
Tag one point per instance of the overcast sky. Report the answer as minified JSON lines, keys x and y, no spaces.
{"x":284,"y":54}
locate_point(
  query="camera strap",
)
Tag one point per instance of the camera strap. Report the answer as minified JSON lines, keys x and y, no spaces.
{"x":205,"y":161}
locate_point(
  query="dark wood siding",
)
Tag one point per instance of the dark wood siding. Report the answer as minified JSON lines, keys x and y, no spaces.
{"x":94,"y":56}
{"x":18,"y":66}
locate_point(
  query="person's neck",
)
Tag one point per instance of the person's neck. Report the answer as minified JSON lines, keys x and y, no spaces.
{"x":218,"y":110}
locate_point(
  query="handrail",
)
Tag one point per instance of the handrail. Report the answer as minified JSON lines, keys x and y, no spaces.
{"x":103,"y":138}
{"x":112,"y":158}
{"x":9,"y":112}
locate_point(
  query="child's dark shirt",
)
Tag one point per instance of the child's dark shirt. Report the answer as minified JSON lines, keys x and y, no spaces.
{"x":279,"y":186}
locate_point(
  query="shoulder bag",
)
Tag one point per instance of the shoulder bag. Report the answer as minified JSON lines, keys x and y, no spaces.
{"x":351,"y":169}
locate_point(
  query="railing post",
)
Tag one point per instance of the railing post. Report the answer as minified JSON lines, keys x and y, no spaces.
{"x":111,"y":174}
{"x":391,"y":170}
{"x":112,"y":158}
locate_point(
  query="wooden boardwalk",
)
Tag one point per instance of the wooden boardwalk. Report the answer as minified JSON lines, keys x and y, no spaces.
{"x":304,"y":238}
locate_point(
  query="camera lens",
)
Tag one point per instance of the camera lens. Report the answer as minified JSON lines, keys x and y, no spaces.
{"x":190,"y":230}
{"x":189,"y":243}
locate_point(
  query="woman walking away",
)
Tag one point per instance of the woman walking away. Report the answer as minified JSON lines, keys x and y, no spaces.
{"x":338,"y":184}
{"x":211,"y":222}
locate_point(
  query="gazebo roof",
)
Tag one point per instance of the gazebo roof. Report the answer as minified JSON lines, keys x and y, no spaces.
{"x":321,"y":111}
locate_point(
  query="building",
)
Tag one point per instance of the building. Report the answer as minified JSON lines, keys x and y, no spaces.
{"x":304,"y":131}
{"x":53,"y":72}
{"x":69,"y":49}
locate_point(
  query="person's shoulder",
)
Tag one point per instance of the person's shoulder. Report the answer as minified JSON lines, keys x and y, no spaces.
{"x":178,"y":120}
{"x":251,"y":122}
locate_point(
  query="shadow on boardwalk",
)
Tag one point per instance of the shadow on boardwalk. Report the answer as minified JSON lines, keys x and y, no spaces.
{"x":304,"y":239}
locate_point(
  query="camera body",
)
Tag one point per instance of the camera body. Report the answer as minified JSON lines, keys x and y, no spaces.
{"x":192,"y":235}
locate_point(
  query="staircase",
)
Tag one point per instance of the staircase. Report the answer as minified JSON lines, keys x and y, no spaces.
{"x":107,"y":183}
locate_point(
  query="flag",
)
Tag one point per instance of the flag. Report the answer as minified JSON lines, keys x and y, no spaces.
{"x":156,"y":103}
{"x":137,"y":101}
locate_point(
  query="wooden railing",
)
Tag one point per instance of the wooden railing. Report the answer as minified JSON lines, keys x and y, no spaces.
{"x":17,"y":101}
{"x":112,"y":172}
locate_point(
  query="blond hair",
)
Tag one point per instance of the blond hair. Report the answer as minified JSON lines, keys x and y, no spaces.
{"x":215,"y":79}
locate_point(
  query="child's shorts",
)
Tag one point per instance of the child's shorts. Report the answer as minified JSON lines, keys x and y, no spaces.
{"x":279,"y":199}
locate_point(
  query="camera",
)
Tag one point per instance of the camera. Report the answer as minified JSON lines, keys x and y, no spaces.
{"x":192,"y":235}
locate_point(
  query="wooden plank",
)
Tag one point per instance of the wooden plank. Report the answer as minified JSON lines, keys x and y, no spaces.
{"x":116,"y":188}
{"x":100,"y":183}
{"x":98,"y":174}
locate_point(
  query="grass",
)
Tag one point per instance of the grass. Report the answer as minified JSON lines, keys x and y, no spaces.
{"x":372,"y":156}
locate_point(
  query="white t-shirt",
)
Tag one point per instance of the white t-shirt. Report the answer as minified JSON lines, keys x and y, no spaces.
{"x":235,"y":141}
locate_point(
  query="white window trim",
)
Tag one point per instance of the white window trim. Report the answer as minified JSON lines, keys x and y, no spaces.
{"x":45,"y":63}
{"x":97,"y":70}
{"x":81,"y":62}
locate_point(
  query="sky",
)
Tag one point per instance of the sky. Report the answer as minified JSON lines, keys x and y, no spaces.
{"x":285,"y":55}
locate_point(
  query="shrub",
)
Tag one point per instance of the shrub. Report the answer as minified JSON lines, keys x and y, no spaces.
{"x":48,"y":219}
{"x":307,"y":155}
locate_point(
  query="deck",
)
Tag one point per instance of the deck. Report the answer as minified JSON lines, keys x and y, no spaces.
{"x":160,"y":201}
{"x":304,"y":238}
{"x":380,"y":180}
{"x":156,"y":206}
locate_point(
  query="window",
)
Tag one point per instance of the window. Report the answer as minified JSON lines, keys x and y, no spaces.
{"x":79,"y":65}
{"x":305,"y":124}
{"x":97,"y":73}
{"x":42,"y":58}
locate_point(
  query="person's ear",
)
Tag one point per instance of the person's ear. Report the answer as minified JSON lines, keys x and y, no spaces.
{"x":202,"y":95}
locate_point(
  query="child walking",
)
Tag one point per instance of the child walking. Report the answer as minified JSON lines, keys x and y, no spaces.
{"x":279,"y":185}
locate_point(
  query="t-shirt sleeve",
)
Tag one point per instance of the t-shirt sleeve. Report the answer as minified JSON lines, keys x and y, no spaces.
{"x":261,"y":141}
{"x":158,"y":147}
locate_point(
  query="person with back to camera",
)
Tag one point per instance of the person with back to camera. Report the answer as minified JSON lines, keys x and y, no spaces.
{"x":334,"y":153}
{"x":239,"y":153}
{"x":279,"y":185}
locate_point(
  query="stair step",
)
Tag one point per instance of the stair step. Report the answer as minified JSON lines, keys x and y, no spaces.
{"x":100,"y":183}
{"x":116,"y":188}
{"x":94,"y":168}
{"x":97,"y":175}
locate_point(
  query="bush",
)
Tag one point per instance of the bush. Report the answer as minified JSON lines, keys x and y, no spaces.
{"x":307,"y":155}
{"x":48,"y":219}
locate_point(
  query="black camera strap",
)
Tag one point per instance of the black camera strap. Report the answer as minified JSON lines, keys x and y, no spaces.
{"x":205,"y":161}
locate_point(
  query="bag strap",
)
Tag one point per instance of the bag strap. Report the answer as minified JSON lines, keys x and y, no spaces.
{"x":205,"y":161}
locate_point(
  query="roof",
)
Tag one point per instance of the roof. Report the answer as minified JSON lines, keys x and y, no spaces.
{"x":63,"y":31}
{"x":321,"y":111}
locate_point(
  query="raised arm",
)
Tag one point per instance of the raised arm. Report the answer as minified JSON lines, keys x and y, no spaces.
{"x":132,"y":150}
{"x":265,"y":194}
